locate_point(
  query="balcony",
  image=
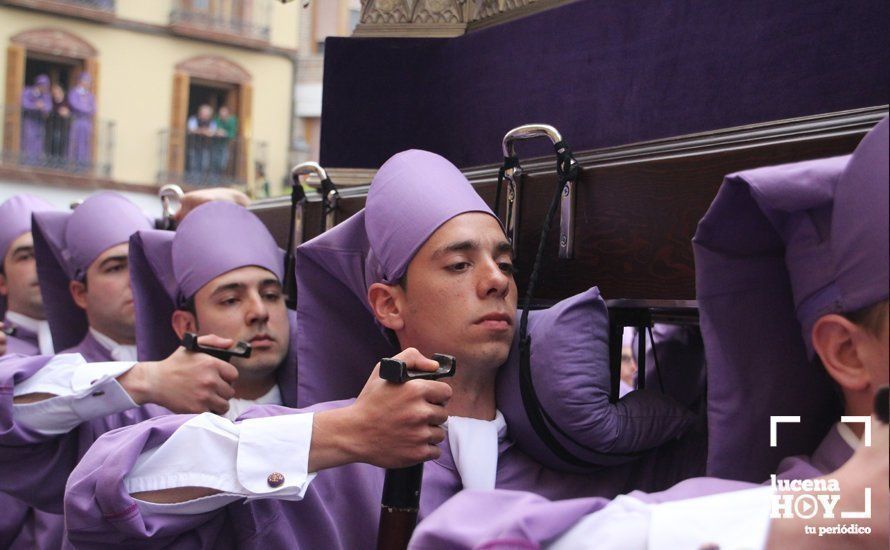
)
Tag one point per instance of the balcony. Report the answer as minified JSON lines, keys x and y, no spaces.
{"x":55,"y":148}
{"x":209,"y":161}
{"x":95,"y":10}
{"x":239,"y":22}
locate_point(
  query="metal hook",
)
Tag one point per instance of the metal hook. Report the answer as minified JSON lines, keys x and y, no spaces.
{"x":171,"y":201}
{"x":513,"y":175}
{"x":330,"y":195}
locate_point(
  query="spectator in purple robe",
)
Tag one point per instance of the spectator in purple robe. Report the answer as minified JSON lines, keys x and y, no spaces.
{"x":811,"y":238}
{"x":83,"y":110}
{"x":36,"y":107}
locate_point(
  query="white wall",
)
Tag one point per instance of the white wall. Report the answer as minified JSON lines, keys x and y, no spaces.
{"x":62,"y":197}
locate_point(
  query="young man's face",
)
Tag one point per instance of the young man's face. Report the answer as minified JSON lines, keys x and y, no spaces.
{"x":460,"y":297}
{"x":246,"y":304}
{"x":106,"y":297}
{"x":19,"y":279}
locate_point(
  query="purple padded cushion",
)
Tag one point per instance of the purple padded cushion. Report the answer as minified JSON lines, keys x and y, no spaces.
{"x":570,"y":373}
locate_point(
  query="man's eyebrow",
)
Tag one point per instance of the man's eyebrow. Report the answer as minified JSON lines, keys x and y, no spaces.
{"x":110,"y":259}
{"x":25,"y":248}
{"x":503,"y":247}
{"x":224,"y":288}
{"x":461,"y":246}
{"x":268,"y":282}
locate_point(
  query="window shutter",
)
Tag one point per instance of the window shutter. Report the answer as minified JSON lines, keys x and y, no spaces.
{"x":15,"y":76}
{"x":178,"y":119}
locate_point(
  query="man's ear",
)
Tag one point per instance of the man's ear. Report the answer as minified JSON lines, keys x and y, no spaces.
{"x":78,"y":293}
{"x":385,"y":302}
{"x":182,"y":322}
{"x":835,"y":340}
{"x":4,"y":287}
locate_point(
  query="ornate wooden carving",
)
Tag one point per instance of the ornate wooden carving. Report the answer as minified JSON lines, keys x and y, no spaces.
{"x":55,"y":42}
{"x":214,"y":67}
{"x":442,"y":18}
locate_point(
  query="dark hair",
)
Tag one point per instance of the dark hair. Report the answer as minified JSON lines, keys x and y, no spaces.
{"x":189,"y":306}
{"x":871,"y":318}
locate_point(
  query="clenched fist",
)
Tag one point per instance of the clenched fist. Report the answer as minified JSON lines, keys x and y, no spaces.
{"x":185,"y":382}
{"x":389,"y":425}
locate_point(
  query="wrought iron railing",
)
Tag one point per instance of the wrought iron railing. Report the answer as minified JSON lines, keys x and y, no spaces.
{"x":57,"y":140}
{"x":202,"y":160}
{"x":244,"y":18}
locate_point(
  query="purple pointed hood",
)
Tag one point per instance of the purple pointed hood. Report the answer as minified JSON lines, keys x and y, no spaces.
{"x":167,"y":269}
{"x":780,"y":247}
{"x":15,"y":214}
{"x":66,"y":243}
{"x":411,"y":196}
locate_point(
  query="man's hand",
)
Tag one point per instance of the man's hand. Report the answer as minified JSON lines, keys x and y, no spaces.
{"x":194,"y":199}
{"x":389,"y":425}
{"x":185,"y":382}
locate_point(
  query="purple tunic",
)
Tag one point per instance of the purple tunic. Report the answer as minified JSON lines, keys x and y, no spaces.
{"x":513,"y":519}
{"x":36,"y":106}
{"x":341,"y":507}
{"x":80,"y":141}
{"x":23,"y":342}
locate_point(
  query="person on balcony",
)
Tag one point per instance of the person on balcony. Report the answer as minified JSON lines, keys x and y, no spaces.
{"x":83,"y":107}
{"x":36,"y":106}
{"x":227,"y":129}
{"x":57,"y":128}
{"x":201,"y":130}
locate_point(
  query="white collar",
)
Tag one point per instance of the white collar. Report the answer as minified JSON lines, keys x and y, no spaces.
{"x":474,"y":447}
{"x":38,"y":327}
{"x":848,"y":436}
{"x":238,"y":406}
{"x":119,"y":352}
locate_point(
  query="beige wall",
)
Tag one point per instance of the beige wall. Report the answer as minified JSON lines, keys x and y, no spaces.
{"x":135,"y":88}
{"x":283,"y":18}
{"x":154,"y":11}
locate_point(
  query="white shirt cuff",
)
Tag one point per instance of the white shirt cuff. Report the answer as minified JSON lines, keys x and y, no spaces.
{"x":83,"y":391}
{"x":256,"y":458}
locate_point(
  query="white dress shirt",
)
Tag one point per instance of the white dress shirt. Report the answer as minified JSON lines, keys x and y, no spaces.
{"x":83,"y":391}
{"x":255,"y":458}
{"x":731,"y":521}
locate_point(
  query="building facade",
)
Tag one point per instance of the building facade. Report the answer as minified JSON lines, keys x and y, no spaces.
{"x":196,"y":92}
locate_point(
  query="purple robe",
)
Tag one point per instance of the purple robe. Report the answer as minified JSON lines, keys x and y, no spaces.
{"x":23,"y":342}
{"x":80,"y":140}
{"x":36,"y":106}
{"x":341,"y":507}
{"x":515,"y":519}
